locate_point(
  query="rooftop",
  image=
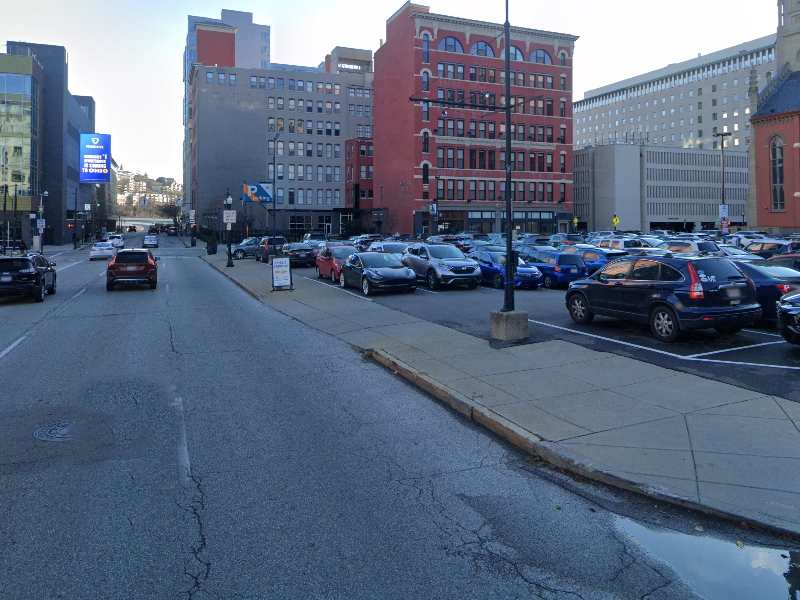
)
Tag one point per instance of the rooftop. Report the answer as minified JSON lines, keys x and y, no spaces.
{"x":785,"y":98}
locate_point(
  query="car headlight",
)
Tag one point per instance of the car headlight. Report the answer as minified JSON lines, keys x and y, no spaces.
{"x":444,"y":266}
{"x":410,"y":272}
{"x":375,"y":274}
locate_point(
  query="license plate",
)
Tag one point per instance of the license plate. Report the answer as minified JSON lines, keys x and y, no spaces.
{"x":733,"y":292}
{"x":572,"y":270}
{"x":5,"y":278}
{"x":131,"y":268}
{"x":303,"y":254}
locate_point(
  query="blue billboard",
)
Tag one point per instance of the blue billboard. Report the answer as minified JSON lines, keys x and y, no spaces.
{"x":95,"y":165}
{"x":257,"y":192}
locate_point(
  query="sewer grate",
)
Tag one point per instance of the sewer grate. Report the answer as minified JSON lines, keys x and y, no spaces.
{"x":55,"y":432}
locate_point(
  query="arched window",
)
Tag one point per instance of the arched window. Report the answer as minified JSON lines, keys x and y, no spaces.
{"x":562,"y":59}
{"x":425,"y":143}
{"x":541,"y":57}
{"x":481,"y":49}
{"x":425,"y":172}
{"x":425,"y":86}
{"x":776,"y":173}
{"x":516,"y":54}
{"x":451,"y":44}
{"x":426,"y":46}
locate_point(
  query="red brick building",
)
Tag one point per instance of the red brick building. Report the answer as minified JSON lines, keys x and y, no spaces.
{"x":431,"y":153}
{"x":359,"y":176}
{"x":216,"y":44}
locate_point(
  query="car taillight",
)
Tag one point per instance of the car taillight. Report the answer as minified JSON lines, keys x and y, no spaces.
{"x":785,"y":288}
{"x":113,"y":260}
{"x":557,"y":268}
{"x":28,"y":271}
{"x":696,"y":288}
{"x":151,"y":261}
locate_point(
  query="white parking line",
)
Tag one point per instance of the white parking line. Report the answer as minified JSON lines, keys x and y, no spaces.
{"x":694,"y":358}
{"x":12,"y":346}
{"x":336,"y":287}
{"x":763,"y":333}
{"x":426,"y":291}
{"x":68,"y":266}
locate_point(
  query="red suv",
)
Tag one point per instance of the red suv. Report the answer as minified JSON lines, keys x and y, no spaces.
{"x":132,"y":266}
{"x":331,"y":259}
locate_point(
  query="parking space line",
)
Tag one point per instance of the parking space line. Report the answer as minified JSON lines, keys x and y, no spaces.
{"x":694,"y":358}
{"x":12,"y":346}
{"x":735,"y":349}
{"x":763,"y":333}
{"x":336,"y":287}
{"x":419,"y":289}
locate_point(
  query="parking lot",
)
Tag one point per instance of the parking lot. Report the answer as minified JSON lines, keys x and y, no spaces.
{"x":757,"y":358}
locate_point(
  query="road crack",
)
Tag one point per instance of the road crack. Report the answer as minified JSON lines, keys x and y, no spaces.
{"x":196,"y":567}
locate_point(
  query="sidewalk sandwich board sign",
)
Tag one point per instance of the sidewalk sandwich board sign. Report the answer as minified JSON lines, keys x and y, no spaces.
{"x":281,"y":273}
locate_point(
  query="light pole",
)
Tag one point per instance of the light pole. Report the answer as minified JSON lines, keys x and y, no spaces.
{"x":435,"y":212}
{"x":42,"y":196}
{"x":722,"y":135}
{"x":508,"y":291}
{"x":229,"y":226}
{"x":274,"y":190}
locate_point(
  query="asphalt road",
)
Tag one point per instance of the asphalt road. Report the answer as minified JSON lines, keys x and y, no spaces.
{"x":757,"y":358}
{"x":193,"y":443}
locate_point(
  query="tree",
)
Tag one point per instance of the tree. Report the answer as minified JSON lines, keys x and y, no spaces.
{"x":170,"y":211}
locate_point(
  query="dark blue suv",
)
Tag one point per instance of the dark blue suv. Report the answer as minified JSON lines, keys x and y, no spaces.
{"x":557,"y":268}
{"x":671,"y":294}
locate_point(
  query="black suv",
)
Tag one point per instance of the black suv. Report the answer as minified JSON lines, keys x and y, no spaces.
{"x":672,"y":294}
{"x":30,"y":275}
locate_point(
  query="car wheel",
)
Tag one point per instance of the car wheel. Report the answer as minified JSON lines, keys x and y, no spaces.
{"x":39,"y":294}
{"x":790,"y":336}
{"x":433,"y":283}
{"x":342,"y":281}
{"x":90,"y":259}
{"x":411,"y":290}
{"x":728,"y":329}
{"x":333,"y":275}
{"x":109,"y":286}
{"x":497,"y":281}
{"x":319,"y":275}
{"x":52,"y":289}
{"x":238,"y":254}
{"x":548,"y":282}
{"x":664,"y":324}
{"x":366,"y":287}
{"x":472,"y":285}
{"x":153,"y":284}
{"x":579,"y":310}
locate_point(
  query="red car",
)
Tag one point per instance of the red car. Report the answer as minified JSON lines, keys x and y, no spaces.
{"x":132,"y":266}
{"x":331,"y":259}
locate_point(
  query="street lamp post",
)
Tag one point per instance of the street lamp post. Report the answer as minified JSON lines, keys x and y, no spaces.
{"x":508,"y":291}
{"x":42,"y":196}
{"x":722,"y":135}
{"x":274,"y":190}
{"x":229,"y":226}
{"x":435,"y":213}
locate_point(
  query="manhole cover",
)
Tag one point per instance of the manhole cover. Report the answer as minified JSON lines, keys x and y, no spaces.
{"x":55,"y":432}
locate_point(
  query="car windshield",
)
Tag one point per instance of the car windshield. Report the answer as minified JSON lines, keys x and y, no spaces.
{"x":132,"y":257}
{"x":395,"y":248}
{"x":777,"y":271}
{"x":570,"y":259}
{"x":377,"y":261}
{"x":10,"y":265}
{"x":342,"y":252}
{"x":445,"y":252}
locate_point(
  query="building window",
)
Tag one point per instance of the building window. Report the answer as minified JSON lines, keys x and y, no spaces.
{"x":562,"y":58}
{"x":425,"y":173}
{"x":426,"y":41}
{"x":271,"y":83}
{"x":516,"y":54}
{"x":209,"y":77}
{"x":425,"y":77}
{"x":776,"y":173}
{"x":451,"y":44}
{"x":221,"y":78}
{"x":262,"y":82}
{"x":425,"y":142}
{"x":232,"y":79}
{"x":541,"y":57}
{"x":481,"y":49}
{"x":253,"y":81}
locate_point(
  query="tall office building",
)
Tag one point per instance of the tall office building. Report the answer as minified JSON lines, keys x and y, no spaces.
{"x":451,"y":159}
{"x":681,"y":105}
{"x":233,"y":40}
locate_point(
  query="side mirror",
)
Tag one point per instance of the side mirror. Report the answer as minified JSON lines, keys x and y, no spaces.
{"x":158,"y":258}
{"x":52,"y":264}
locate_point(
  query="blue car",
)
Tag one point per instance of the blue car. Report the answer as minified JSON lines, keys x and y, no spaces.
{"x":558,"y":268}
{"x":597,"y":258}
{"x":493,"y":270}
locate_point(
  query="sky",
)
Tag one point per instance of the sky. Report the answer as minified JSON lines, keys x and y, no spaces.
{"x":128,"y":55}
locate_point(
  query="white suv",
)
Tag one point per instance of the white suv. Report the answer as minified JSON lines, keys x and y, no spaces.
{"x":116,"y":240}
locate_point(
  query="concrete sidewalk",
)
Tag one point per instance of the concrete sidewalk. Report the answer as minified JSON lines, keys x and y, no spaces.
{"x":670,"y":435}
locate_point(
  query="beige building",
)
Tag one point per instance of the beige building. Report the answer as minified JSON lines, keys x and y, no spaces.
{"x":681,"y":105}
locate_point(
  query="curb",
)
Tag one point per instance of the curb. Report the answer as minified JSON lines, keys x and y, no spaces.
{"x":523,"y":439}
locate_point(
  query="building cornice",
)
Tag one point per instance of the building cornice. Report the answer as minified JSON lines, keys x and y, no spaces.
{"x":493,"y":28}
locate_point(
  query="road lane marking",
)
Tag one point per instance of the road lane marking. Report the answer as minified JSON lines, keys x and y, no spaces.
{"x":183,"y":448}
{"x":735,"y":349}
{"x":426,"y":291}
{"x":68,"y":266}
{"x":168,"y":288}
{"x":79,"y":293}
{"x":693,"y":358}
{"x":12,"y":346}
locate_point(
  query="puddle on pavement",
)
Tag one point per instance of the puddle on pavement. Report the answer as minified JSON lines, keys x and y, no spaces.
{"x":721,"y":570}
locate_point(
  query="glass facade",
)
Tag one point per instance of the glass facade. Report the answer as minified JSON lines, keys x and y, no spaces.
{"x":19,"y":128}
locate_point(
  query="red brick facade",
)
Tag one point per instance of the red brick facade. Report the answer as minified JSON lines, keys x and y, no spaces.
{"x":216,"y":47}
{"x":359,"y":177}
{"x":776,"y":142}
{"x":459,"y":153}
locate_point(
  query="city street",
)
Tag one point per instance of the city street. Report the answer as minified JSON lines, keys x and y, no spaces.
{"x":189,"y":442}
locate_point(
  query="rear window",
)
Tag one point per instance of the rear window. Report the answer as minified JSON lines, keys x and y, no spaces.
{"x":343,"y":252}
{"x":777,"y":271}
{"x":132,"y":257}
{"x":575,"y":238}
{"x":713,"y":270}
{"x":299,"y":246}
{"x":395,"y":248}
{"x":15,"y":264}
{"x":570,"y":259}
{"x":707,"y":247}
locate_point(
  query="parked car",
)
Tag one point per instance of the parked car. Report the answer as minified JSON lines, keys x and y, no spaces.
{"x":267,"y":246}
{"x":625,"y":244}
{"x":743,"y":238}
{"x":493,"y":270}
{"x":786,"y":260}
{"x":532,"y":239}
{"x":662,"y":233}
{"x":313,"y":238}
{"x":442,"y":264}
{"x":30,"y":275}
{"x":247,"y":247}
{"x":770,"y":248}
{"x":329,"y":262}
{"x":558,"y":268}
{"x":686,"y":245}
{"x":788,"y":310}
{"x":396,"y":248}
{"x":373,"y":271}
{"x":132,"y":266}
{"x":116,"y":240}
{"x":299,"y":253}
{"x":150,"y":241}
{"x":102,"y":250}
{"x":738,"y":253}
{"x":671,"y":294}
{"x":566,"y":238}
{"x":152,"y":230}
{"x":772,"y":281}
{"x":172,"y":231}
{"x":597,"y":258}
